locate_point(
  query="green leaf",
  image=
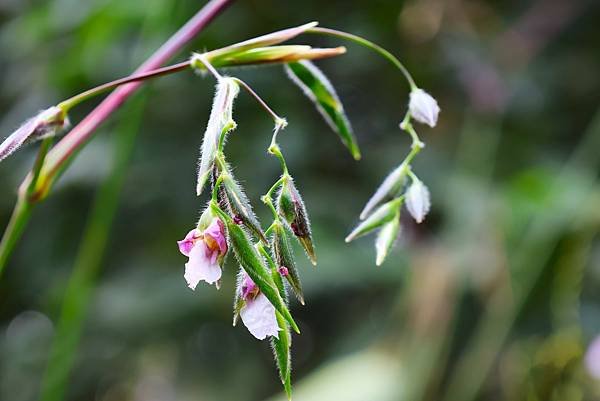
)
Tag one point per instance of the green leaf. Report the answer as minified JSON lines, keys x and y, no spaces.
{"x":386,"y":239}
{"x":254,"y":265}
{"x":241,"y":207}
{"x":284,"y":257}
{"x":291,"y":207}
{"x":317,"y":88}
{"x":385,"y":213}
{"x":281,"y":350}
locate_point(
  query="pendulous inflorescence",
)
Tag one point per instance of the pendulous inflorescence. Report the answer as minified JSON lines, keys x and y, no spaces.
{"x":267,"y":264}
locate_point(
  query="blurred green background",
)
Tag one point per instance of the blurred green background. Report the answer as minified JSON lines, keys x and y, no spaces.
{"x":494,"y":297}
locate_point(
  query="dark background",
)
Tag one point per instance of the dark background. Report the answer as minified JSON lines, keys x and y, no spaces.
{"x":496,"y":291}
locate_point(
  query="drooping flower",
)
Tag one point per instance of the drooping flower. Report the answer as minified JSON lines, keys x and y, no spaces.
{"x":205,"y":250}
{"x":423,"y":107}
{"x":418,"y":202}
{"x":257,"y":313}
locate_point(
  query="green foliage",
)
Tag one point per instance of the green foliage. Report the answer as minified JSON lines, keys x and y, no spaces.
{"x":317,"y":88}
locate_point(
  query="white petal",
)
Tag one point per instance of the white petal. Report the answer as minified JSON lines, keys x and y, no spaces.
{"x":200,"y":267}
{"x":423,"y":107}
{"x":417,"y":200}
{"x":258,"y":316}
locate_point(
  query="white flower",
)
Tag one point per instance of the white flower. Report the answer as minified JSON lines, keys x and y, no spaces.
{"x":417,"y":200}
{"x":423,"y":107}
{"x":259,"y":317}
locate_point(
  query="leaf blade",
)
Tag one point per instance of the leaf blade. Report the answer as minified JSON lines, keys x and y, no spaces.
{"x":321,"y":92}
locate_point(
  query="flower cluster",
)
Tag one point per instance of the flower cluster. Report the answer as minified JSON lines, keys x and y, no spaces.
{"x":268,"y":269}
{"x":401,"y":186}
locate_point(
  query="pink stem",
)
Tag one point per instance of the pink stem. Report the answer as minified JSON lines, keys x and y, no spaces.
{"x":77,"y":137}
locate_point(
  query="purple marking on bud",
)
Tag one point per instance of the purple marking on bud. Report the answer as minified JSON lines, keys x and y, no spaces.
{"x":283,"y":271}
{"x":237,"y":219}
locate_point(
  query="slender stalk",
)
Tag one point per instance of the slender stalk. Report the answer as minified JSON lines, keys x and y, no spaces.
{"x":367,"y":43}
{"x":90,"y":93}
{"x":65,"y":150}
{"x":279,"y":121}
{"x":22,"y":210}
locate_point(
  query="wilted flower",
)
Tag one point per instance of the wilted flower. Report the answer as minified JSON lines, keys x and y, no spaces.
{"x":417,"y":200}
{"x":46,"y":123}
{"x":205,"y":250}
{"x":257,"y":313}
{"x":423,"y":107}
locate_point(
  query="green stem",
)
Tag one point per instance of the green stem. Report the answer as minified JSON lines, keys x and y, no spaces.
{"x":275,"y":150}
{"x":279,"y":121}
{"x":90,"y":93}
{"x":16,"y":225}
{"x":215,"y":190}
{"x":269,"y":202}
{"x":22,"y":211}
{"x":367,"y":43}
{"x":277,"y":184}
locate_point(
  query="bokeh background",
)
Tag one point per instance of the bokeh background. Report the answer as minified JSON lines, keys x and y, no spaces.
{"x":494,"y":297}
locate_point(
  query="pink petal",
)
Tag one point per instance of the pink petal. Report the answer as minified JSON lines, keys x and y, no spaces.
{"x":200,"y":267}
{"x":216,"y":231}
{"x":186,"y":244}
{"x":248,"y":287}
{"x":258,"y":316}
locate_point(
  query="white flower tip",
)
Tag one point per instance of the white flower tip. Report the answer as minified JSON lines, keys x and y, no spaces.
{"x":423,"y":107}
{"x":418,"y":201}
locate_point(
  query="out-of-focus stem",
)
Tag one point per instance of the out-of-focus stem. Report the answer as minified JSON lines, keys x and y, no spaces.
{"x":64,"y":151}
{"x":367,"y":43}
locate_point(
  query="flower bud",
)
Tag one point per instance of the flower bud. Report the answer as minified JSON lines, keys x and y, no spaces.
{"x":291,"y":207}
{"x":389,"y":188}
{"x":220,"y":123}
{"x":382,"y":215}
{"x":255,"y":266}
{"x":284,"y":258}
{"x":423,"y":107}
{"x":241,"y":207}
{"x":45,"y":124}
{"x":417,"y":200}
{"x":270,"y":39}
{"x":386,"y":238}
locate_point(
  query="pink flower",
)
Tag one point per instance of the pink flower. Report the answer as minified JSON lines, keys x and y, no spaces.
{"x":205,"y":250}
{"x":257,"y":313}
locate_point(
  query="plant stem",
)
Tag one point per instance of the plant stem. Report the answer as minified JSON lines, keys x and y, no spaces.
{"x":64,"y":151}
{"x":90,"y":93}
{"x":367,"y":43}
{"x":279,"y":121}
